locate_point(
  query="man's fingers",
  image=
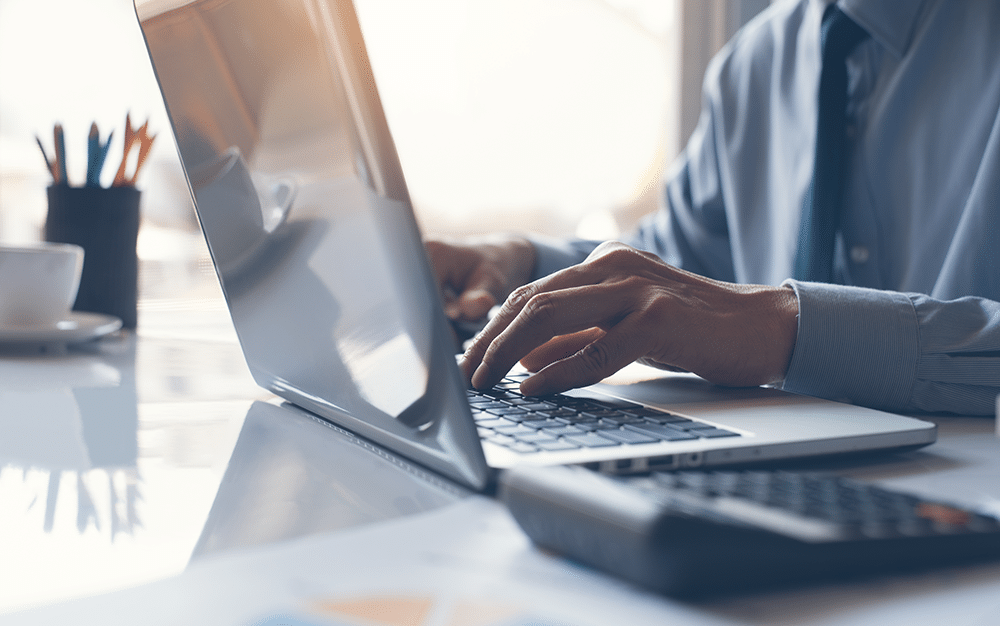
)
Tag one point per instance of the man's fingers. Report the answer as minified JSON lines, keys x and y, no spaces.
{"x":474,"y":304}
{"x":469,"y":284}
{"x":568,"y":301}
{"x":470,"y":306}
{"x":594,"y":362}
{"x":559,"y":348}
{"x":531,"y":318}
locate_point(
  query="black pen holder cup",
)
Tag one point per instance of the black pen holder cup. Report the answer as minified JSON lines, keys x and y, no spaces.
{"x":105,"y":223}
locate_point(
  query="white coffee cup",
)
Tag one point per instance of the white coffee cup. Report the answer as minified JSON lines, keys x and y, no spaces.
{"x":38,"y":283}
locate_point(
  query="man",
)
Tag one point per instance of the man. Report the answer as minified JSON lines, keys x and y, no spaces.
{"x":905,"y":313}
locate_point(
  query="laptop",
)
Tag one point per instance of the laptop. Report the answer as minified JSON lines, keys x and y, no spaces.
{"x":303,"y":203}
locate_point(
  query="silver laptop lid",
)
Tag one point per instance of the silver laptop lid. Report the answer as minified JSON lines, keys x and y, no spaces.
{"x":300,"y":195}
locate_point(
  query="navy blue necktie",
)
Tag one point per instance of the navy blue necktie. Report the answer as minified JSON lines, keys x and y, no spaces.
{"x":839,"y":35}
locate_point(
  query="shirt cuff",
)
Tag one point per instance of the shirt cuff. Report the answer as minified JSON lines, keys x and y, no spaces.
{"x":552,"y":254}
{"x":854,"y":345}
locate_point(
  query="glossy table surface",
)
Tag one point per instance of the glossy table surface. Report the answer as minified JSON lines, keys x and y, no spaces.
{"x":124,"y":460}
{"x":114,"y":457}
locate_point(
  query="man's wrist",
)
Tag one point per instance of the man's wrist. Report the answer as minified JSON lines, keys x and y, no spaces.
{"x":523,"y":258}
{"x":788,"y":326}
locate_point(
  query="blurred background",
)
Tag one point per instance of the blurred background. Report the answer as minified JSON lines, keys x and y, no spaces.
{"x":557,"y":116}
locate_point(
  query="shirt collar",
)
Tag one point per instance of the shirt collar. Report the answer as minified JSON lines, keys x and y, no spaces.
{"x":890,"y":22}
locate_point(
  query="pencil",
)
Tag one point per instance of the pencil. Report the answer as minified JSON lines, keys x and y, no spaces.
{"x":93,"y":150}
{"x":48,"y":163}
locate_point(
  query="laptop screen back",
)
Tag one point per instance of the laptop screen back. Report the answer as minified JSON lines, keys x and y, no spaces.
{"x":302,"y":200}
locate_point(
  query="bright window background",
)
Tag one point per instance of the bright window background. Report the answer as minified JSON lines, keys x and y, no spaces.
{"x":538,"y":114}
{"x":546,"y":115}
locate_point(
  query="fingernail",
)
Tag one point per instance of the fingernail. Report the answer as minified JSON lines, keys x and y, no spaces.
{"x":478,"y":376}
{"x":533,"y":384}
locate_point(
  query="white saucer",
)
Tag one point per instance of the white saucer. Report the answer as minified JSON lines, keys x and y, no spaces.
{"x":77,"y":326}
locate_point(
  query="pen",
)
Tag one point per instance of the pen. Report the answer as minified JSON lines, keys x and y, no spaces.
{"x":102,"y":157}
{"x":61,"y":178}
{"x":96,"y":154}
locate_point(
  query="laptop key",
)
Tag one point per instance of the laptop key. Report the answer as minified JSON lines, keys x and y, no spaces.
{"x":562,"y":430}
{"x":646,"y":411}
{"x":507,"y":410}
{"x":663,"y":432}
{"x":535,"y":437}
{"x":620,"y":420}
{"x":556,"y":445}
{"x":590,"y":440}
{"x":615,"y":403}
{"x":712,"y":433}
{"x":503,"y":440}
{"x":604,"y":413}
{"x":542,"y":407}
{"x":485,"y":404}
{"x":519,"y":401}
{"x":493,"y":422}
{"x":543,"y":423}
{"x":514,"y":429}
{"x":628,"y":436}
{"x":673,"y":420}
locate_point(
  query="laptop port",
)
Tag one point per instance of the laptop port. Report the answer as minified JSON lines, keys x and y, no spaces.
{"x":665,"y":462}
{"x":692,"y":459}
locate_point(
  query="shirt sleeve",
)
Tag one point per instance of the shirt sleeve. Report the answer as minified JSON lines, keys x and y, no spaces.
{"x":896,"y":351}
{"x":552,"y":254}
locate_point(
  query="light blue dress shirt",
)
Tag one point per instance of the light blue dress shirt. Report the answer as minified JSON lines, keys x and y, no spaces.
{"x":914,"y":324}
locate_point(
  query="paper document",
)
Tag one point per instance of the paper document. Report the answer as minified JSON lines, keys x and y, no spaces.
{"x":464,"y":565}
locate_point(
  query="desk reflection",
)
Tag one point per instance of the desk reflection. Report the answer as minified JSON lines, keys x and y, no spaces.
{"x":292,"y":474}
{"x":68,"y":428}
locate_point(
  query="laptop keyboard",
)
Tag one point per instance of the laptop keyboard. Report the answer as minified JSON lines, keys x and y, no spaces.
{"x":527,"y":424}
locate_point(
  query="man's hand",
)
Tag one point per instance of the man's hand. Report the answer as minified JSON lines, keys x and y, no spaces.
{"x":586,"y":322}
{"x":477,"y":274}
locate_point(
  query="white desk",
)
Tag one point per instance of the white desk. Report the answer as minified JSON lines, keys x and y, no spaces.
{"x":139,"y":457}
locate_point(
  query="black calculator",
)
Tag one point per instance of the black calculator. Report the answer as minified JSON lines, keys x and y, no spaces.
{"x":706,"y":533}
